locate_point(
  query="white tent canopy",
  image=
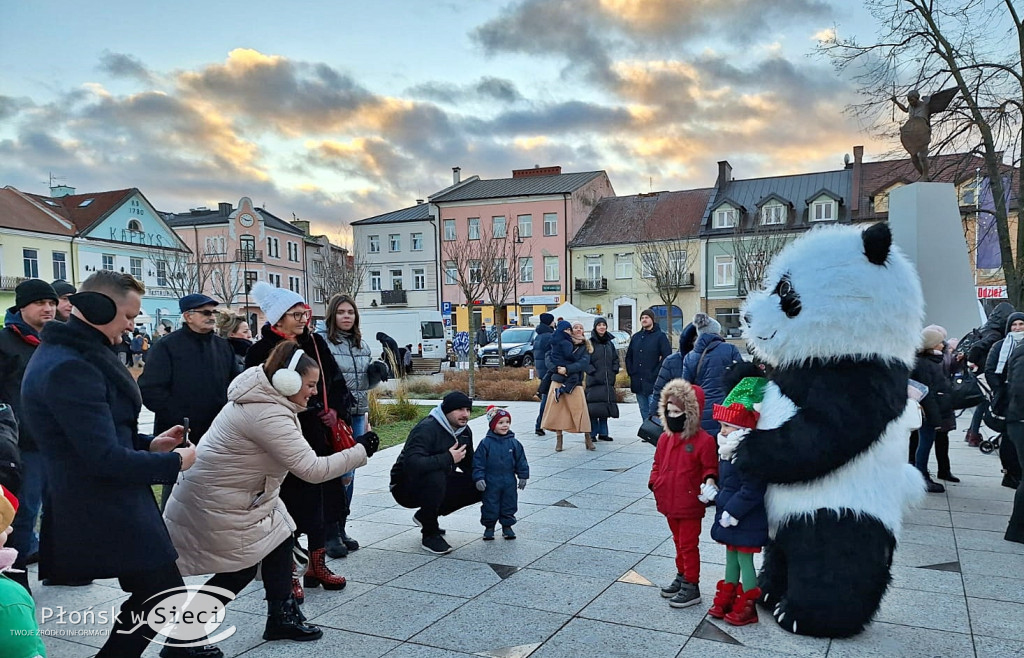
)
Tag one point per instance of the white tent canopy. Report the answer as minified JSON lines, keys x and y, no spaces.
{"x":569,"y":313}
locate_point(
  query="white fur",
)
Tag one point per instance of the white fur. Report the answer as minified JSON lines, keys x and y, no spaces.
{"x":879,"y":482}
{"x":776,"y":408}
{"x":850,"y":307}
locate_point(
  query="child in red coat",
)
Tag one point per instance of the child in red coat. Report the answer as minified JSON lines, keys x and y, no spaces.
{"x":685,"y":466}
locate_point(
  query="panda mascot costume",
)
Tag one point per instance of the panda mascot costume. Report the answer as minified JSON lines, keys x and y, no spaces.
{"x":839,"y":323}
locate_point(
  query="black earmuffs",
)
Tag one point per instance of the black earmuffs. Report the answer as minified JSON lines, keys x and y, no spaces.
{"x":96,"y":307}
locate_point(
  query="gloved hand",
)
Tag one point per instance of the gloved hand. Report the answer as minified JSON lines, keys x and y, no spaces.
{"x":522,"y":483}
{"x":708,"y":493}
{"x":727,"y":444}
{"x":481,"y":485}
{"x":727,"y":520}
{"x":328,"y":417}
{"x":370,"y":441}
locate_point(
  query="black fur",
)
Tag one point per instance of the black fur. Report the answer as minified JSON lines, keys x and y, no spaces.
{"x":877,"y":241}
{"x":737,"y":372}
{"x":827,"y":572}
{"x":820,"y":392}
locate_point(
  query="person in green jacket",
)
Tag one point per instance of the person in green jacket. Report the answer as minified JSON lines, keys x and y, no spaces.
{"x":19,"y":633}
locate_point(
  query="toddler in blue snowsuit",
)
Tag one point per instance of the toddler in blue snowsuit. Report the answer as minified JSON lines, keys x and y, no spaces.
{"x":497,"y":461}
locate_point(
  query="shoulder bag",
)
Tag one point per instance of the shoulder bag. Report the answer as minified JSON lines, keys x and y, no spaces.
{"x":341,"y":433}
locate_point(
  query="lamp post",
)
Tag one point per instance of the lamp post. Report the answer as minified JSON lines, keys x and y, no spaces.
{"x":517,"y":240}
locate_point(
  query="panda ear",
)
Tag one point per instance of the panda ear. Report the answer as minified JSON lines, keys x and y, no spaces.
{"x":877,"y":240}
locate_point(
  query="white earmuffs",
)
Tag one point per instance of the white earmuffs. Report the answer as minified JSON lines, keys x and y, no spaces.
{"x":287,"y":381}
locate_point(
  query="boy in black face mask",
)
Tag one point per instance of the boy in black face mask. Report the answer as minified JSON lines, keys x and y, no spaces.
{"x":685,"y":467}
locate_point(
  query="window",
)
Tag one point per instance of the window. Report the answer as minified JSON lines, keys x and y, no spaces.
{"x":526,"y":269}
{"x":161,"y":274}
{"x":498,"y":226}
{"x":648,"y":263}
{"x":293,"y":252}
{"x":134,"y":225}
{"x":274,"y":280}
{"x":451,"y":276}
{"x":375,"y":280}
{"x":374,"y":245}
{"x":215,"y":245}
{"x":273,"y":248}
{"x":593,"y":267}
{"x":501,"y":270}
{"x":60,"y":265}
{"x":135,"y":265}
{"x":293,"y":283}
{"x":773,"y":213}
{"x":474,"y":228}
{"x":525,"y":226}
{"x":476,"y":272}
{"x":725,"y":218}
{"x":823,"y":210}
{"x":395,"y":242}
{"x":623,"y":266}
{"x":318,"y":295}
{"x":729,"y":318}
{"x":396,"y":279}
{"x":417,"y":241}
{"x":677,"y":261}
{"x":968,"y":195}
{"x":250,"y":280}
{"x":248,"y":247}
{"x":725,"y":274}
{"x":108,"y":262}
{"x":449,"y":230}
{"x":419,"y":279}
{"x":318,"y":268}
{"x":551,"y":268}
{"x":550,"y":223}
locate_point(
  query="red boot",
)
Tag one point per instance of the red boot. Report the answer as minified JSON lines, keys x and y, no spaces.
{"x":973,"y":439}
{"x":297,"y":592}
{"x":318,"y":573}
{"x":725,"y":597}
{"x":744,"y":611}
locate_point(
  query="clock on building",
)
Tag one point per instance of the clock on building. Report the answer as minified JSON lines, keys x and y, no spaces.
{"x":246,"y":220}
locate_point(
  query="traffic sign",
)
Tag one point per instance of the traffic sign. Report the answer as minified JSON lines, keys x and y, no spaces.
{"x":448,"y":322}
{"x":446,"y":308}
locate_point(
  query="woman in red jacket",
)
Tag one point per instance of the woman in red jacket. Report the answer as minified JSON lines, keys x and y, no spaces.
{"x":686,"y":458}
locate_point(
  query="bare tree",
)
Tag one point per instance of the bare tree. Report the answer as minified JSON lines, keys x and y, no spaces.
{"x":183,"y":271}
{"x":227,"y":278}
{"x":754,"y":248}
{"x":472,"y":262}
{"x":339,"y":270}
{"x":975,"y":46}
{"x":501,"y":258}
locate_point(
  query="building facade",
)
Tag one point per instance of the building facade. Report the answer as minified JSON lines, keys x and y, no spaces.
{"x":34,"y":244}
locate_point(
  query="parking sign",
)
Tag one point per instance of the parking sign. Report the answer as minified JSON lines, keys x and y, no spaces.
{"x":446,"y":308}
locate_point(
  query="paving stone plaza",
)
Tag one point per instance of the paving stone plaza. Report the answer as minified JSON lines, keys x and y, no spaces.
{"x":582,"y":577}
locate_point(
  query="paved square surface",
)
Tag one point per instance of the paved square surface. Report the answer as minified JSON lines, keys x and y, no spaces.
{"x":582,"y":578}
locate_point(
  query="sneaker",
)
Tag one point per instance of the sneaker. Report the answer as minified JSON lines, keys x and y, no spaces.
{"x":488,"y":534}
{"x":689,"y":594}
{"x":673,"y":588}
{"x":540,"y":432}
{"x":418,"y":524}
{"x":507,"y":532}
{"x":436,"y":544}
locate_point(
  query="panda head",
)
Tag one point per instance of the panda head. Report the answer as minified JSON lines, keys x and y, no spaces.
{"x":833,"y":293}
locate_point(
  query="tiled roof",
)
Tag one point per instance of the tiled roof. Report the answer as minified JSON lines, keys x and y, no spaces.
{"x":498,"y":188}
{"x":420,"y":211}
{"x":798,"y":189}
{"x":214,"y":217}
{"x":17,"y":212}
{"x":85,"y":210}
{"x":651,"y":217}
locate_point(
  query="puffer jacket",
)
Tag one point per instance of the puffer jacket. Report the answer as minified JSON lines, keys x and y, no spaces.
{"x":225,"y":514}
{"x":353,"y":362}
{"x":16,"y":348}
{"x":604,"y":365}
{"x":682,"y":460}
{"x":541,"y":345}
{"x":719,"y":356}
{"x":992,"y":331}
{"x":742,"y":496}
{"x":936,"y":405}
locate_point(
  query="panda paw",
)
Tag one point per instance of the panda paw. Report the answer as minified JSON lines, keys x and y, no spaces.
{"x":785,"y":617}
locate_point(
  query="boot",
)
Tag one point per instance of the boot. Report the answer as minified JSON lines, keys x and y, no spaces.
{"x":558,"y":441}
{"x":973,"y":439}
{"x":948,"y":477}
{"x":744,"y":611}
{"x":931,"y":485}
{"x":350,"y":544}
{"x":588,"y":441}
{"x":205,"y":651}
{"x":319,"y":574}
{"x":297,"y":592}
{"x":725,"y":597}
{"x":334,"y":546}
{"x":673,"y":588}
{"x":284,"y":623}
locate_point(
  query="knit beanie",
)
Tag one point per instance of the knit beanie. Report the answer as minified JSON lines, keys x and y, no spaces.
{"x":494,"y":414}
{"x":33,"y":290}
{"x":706,"y":324}
{"x":546,"y":319}
{"x":600,"y":321}
{"x":62,"y":287}
{"x":563,"y":325}
{"x":932,"y":338}
{"x":274,"y":302}
{"x":456,"y":400}
{"x":649,"y":313}
{"x":742,"y":407}
{"x":1013,"y":317}
{"x":8,"y":508}
{"x":939,"y":328}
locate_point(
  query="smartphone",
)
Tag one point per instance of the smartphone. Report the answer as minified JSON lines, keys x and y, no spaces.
{"x":184,"y":436}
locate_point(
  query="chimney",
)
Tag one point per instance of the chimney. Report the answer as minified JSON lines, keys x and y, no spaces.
{"x":302,"y":224}
{"x":724,"y":174}
{"x":456,"y":175}
{"x":856,"y":178}
{"x":419,"y":202}
{"x":57,"y":191}
{"x":224,"y":209}
{"x":536,"y":171}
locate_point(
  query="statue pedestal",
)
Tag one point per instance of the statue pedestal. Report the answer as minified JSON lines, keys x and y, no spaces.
{"x":926,"y":225}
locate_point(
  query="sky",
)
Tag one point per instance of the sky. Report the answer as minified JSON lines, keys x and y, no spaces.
{"x":337,"y":111}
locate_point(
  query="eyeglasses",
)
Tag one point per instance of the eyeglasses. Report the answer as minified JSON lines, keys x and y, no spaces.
{"x":299,"y":316}
{"x":207,"y":312}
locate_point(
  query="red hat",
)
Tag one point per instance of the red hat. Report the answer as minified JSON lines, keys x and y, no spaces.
{"x":494,"y":414}
{"x":8,"y":508}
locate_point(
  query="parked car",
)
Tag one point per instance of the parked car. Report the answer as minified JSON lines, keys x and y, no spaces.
{"x":516,"y":345}
{"x":620,"y":339}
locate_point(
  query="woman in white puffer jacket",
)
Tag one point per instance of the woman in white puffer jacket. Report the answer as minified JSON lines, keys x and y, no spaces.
{"x":226,"y":516}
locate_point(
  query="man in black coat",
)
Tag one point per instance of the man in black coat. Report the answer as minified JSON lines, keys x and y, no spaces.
{"x":389,"y":352}
{"x":541,"y":346}
{"x":424,"y":474}
{"x":101,"y":519}
{"x":991,"y":332}
{"x":647,"y":349}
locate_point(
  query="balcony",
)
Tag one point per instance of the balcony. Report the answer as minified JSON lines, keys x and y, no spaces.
{"x":393,"y":298}
{"x":684,"y":280}
{"x":10,"y":282}
{"x":592,"y":285}
{"x":249,"y":255}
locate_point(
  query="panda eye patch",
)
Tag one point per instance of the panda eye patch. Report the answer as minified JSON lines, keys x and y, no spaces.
{"x":784,"y":288}
{"x":789,"y":300}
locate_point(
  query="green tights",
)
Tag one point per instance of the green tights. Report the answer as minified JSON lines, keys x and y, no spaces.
{"x":738,"y":564}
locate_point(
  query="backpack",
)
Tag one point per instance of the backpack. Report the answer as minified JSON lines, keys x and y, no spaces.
{"x":968,"y":342}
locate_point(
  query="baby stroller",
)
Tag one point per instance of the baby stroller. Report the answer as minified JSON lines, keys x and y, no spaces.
{"x":993,"y":421}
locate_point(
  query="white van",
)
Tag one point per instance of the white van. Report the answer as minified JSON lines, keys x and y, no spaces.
{"x":424,"y":330}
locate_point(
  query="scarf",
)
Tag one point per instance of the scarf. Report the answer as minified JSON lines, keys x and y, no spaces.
{"x":442,"y":420}
{"x":22,"y":330}
{"x":1009,"y":343}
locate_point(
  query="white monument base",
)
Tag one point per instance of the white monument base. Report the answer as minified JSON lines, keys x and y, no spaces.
{"x":926,"y":225}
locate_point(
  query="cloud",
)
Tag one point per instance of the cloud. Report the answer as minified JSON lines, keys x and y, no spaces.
{"x":120,"y":65}
{"x":486,"y":89}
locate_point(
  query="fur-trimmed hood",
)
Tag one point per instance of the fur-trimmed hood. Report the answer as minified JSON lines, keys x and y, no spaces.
{"x":687,"y":396}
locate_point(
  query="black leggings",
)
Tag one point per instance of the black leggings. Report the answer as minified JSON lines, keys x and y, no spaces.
{"x":141,"y":586}
{"x":277,"y":574}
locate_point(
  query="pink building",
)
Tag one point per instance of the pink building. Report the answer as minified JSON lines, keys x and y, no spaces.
{"x":540,"y":208}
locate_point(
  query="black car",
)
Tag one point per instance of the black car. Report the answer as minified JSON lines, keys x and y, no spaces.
{"x":516,"y":345}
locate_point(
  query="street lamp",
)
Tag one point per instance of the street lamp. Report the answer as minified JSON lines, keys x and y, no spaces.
{"x":517,"y":239}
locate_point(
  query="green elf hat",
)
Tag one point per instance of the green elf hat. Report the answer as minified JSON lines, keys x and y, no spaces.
{"x":742,"y":407}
